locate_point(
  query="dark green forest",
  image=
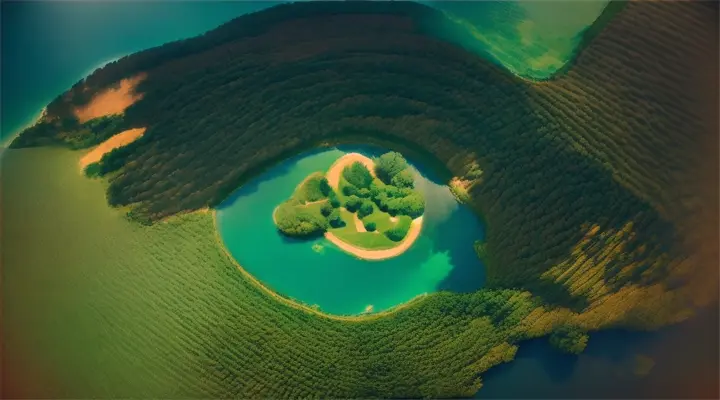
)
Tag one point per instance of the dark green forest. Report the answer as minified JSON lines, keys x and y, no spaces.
{"x":579,"y":179}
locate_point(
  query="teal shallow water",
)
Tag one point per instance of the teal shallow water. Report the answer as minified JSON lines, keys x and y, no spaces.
{"x":442,"y":258}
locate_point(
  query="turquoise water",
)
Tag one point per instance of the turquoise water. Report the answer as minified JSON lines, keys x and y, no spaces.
{"x":442,"y":258}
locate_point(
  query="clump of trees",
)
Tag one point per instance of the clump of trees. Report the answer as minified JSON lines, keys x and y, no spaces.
{"x":299,"y":222}
{"x":357,"y":175}
{"x":569,"y":339}
{"x":305,"y":214}
{"x":71,"y":133}
{"x":388,"y":165}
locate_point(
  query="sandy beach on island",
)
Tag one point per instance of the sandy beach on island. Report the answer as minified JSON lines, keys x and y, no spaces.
{"x":333,"y":174}
{"x":333,"y":177}
{"x":377,"y":255}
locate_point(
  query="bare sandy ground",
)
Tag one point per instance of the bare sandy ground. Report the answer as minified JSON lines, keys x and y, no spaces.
{"x":119,"y":140}
{"x":333,"y":174}
{"x":412,"y":235}
{"x":111,"y":101}
{"x":359,"y":226}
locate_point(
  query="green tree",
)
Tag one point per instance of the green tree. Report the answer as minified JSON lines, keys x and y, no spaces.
{"x":370,"y":226}
{"x":388,"y":165}
{"x":349,"y":190}
{"x":353,"y":203}
{"x":404,"y":179}
{"x":366,"y":208}
{"x":334,"y":218}
{"x":358,"y":175}
{"x":569,"y":339}
{"x":326,"y":209}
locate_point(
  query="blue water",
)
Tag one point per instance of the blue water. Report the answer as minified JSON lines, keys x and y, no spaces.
{"x":316,"y":272}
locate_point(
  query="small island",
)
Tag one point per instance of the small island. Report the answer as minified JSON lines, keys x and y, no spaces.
{"x":367,"y":207}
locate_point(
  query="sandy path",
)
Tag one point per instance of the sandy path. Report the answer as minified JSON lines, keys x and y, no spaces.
{"x":121,"y":139}
{"x":333,"y":174}
{"x":412,"y":235}
{"x":111,"y":101}
{"x":359,"y":226}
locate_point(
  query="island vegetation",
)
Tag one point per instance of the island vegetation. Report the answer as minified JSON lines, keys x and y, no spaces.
{"x":367,"y":204}
{"x":584,"y":181}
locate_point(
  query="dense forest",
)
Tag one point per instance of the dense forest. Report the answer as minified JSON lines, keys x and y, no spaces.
{"x":580,"y":179}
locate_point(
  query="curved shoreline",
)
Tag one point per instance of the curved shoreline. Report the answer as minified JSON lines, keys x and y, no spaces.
{"x":377,"y":255}
{"x":333,"y":178}
{"x":361,"y":317}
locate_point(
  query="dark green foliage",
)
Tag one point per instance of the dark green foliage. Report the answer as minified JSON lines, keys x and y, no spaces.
{"x":334,"y":218}
{"x":366,"y":208}
{"x":334,"y":201}
{"x":569,"y":339}
{"x":388,"y":165}
{"x":326,"y":209}
{"x":403,"y":179}
{"x":353,"y":203}
{"x":369,"y":226}
{"x":357,"y":175}
{"x":400,"y":230}
{"x":349,"y":190}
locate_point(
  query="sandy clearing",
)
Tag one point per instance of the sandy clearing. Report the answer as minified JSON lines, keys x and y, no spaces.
{"x":121,"y":139}
{"x":111,"y":101}
{"x":333,"y":174}
{"x":364,"y":254}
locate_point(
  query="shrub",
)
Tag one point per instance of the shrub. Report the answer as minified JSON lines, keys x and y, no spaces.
{"x":364,"y":193}
{"x":334,"y":202}
{"x":326,"y":209}
{"x":400,"y":230}
{"x":569,"y":339}
{"x":388,"y":165}
{"x":334,"y":218}
{"x":349,"y":190}
{"x":315,"y":188}
{"x":366,"y":208}
{"x":358,"y":175}
{"x":370,"y":226}
{"x":403,"y":179}
{"x":353,"y":203}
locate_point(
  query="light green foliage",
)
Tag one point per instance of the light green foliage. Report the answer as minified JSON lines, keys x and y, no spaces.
{"x":300,"y":221}
{"x":357,"y":175}
{"x":314,"y":188}
{"x":400,"y":230}
{"x":349,"y":190}
{"x":388,"y":165}
{"x":569,"y":339}
{"x":403,"y":179}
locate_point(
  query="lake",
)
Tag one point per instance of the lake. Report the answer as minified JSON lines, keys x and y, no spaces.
{"x":316,"y":272}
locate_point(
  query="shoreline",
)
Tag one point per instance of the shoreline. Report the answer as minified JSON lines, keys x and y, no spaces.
{"x":333,"y":178}
{"x":360,"y":317}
